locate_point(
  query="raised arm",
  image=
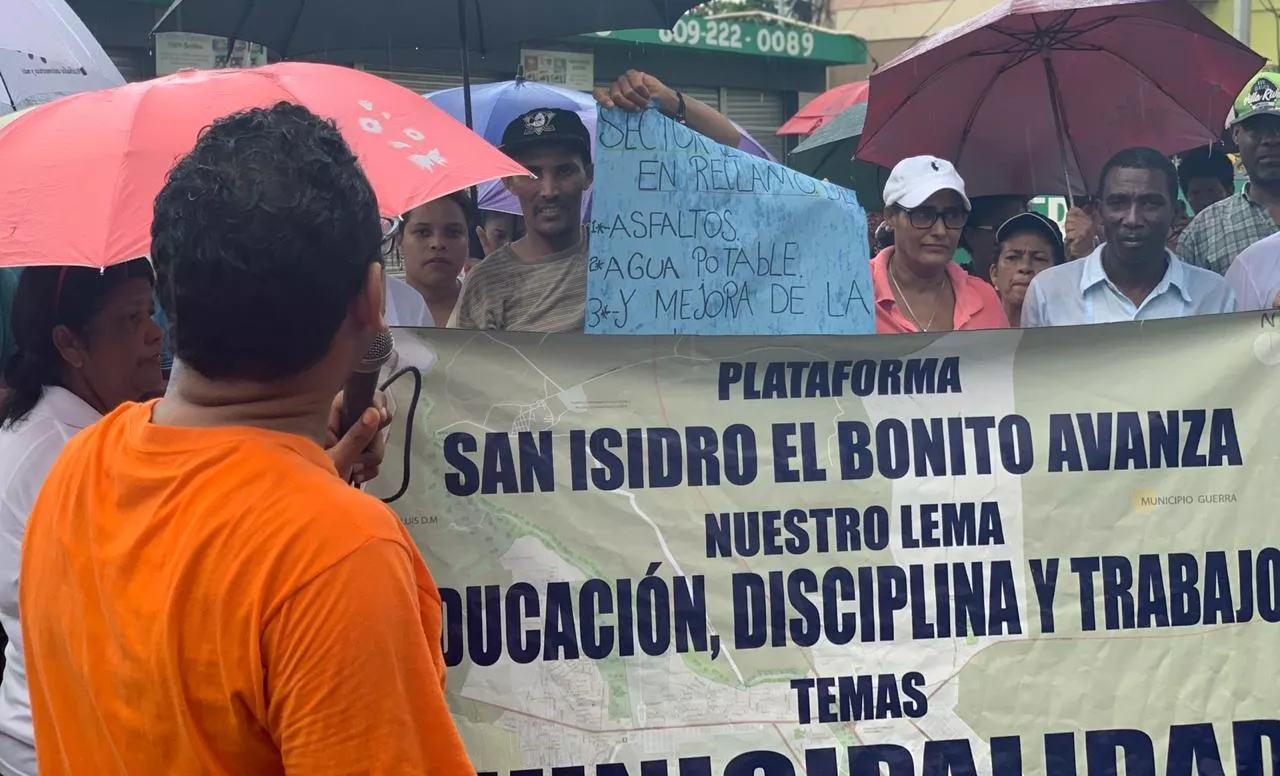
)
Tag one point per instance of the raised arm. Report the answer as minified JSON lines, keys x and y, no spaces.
{"x":634,"y":90}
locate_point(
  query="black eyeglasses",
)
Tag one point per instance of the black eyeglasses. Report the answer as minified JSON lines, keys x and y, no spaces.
{"x":925,"y":217}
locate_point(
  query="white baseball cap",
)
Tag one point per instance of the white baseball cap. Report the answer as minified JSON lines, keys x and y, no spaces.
{"x":917,"y":178}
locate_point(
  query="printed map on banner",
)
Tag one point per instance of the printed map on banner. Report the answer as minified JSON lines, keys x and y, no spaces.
{"x":762,"y":556}
{"x":691,"y":237}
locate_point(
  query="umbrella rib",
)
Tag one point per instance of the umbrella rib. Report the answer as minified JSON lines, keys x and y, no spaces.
{"x":1156,"y":84}
{"x":293,"y":28}
{"x":1022,"y":54}
{"x":479,"y":28}
{"x":867,"y":138}
{"x":1057,"y":40}
{"x":1032,"y":50}
{"x":1013,"y":49}
{"x":8,"y":94}
{"x":973,"y":112}
{"x":1060,"y":120}
{"x":234,"y":37}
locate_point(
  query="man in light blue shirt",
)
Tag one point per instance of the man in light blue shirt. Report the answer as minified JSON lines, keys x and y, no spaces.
{"x":1132,"y":276}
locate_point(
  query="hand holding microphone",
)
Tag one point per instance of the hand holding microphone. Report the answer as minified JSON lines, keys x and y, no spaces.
{"x":357,"y":416}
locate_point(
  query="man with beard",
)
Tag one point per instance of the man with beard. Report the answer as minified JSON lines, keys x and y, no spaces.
{"x":539,"y":282}
{"x":1132,"y":276}
{"x":1221,"y":231}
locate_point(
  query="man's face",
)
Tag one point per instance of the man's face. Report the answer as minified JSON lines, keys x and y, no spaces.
{"x":1203,"y":192}
{"x":1259,"y":141}
{"x":500,"y":228}
{"x":1136,"y":213}
{"x":552,"y":198}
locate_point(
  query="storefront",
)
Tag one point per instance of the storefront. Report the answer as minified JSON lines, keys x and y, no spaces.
{"x":755,"y":68}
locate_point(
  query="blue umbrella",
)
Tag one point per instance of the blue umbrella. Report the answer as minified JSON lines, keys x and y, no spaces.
{"x":495,"y":105}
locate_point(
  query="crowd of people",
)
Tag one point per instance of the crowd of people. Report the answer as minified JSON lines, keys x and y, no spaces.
{"x":1129,"y":251}
{"x":264,"y":343}
{"x":255,"y":598}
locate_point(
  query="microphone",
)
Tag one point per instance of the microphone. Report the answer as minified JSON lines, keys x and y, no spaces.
{"x":357,"y":395}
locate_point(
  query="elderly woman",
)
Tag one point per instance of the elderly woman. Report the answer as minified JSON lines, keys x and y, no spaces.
{"x":86,"y":342}
{"x":1027,"y":245}
{"x":917,"y":286}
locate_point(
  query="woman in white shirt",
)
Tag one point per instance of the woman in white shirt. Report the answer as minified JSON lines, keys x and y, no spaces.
{"x":435,"y":240}
{"x":86,"y":343}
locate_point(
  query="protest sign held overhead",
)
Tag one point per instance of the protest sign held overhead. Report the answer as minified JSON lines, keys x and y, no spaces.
{"x":691,"y":237}
{"x":776,"y":556}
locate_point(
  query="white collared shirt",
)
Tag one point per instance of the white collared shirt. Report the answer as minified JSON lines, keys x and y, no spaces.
{"x":27,"y":453}
{"x":1079,"y":292}
{"x":405,"y":306}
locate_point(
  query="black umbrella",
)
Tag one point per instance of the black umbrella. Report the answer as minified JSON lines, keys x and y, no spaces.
{"x":828,"y":154}
{"x":295,"y":28}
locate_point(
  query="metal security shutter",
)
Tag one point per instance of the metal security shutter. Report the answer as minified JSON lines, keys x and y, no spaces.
{"x":426,"y":81}
{"x":135,"y":64}
{"x":760,"y":114}
{"x":708,"y":94}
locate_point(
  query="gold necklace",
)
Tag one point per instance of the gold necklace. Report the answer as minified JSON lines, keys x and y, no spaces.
{"x":937,"y":293}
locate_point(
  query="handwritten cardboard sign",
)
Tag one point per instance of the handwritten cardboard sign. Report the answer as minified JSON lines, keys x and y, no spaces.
{"x":691,"y":237}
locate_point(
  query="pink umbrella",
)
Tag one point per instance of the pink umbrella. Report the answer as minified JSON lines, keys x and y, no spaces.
{"x":106,"y":153}
{"x":1033,"y":96}
{"x":824,"y":107}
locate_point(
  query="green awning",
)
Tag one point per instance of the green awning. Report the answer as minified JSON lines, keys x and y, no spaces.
{"x":752,"y":34}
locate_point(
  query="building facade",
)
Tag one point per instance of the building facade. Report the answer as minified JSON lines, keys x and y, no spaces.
{"x":755,"y":68}
{"x":1264,"y":23}
{"x":890,"y":27}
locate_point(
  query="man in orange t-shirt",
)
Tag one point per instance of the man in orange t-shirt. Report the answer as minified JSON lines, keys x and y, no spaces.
{"x":201,"y":593}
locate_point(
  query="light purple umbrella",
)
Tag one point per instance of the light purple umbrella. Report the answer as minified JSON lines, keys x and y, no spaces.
{"x":496,"y":105}
{"x":46,"y":52}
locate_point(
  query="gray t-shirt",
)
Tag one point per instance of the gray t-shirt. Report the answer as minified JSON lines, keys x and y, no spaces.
{"x":505,"y":292}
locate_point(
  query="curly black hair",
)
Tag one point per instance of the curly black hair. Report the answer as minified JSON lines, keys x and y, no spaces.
{"x":262,"y":237}
{"x":1211,"y":162}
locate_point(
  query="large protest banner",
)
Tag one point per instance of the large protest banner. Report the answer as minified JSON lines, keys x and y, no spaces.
{"x":691,"y":237}
{"x":1044,"y":551}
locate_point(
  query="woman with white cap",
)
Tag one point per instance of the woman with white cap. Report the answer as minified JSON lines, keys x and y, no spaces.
{"x":917,"y":286}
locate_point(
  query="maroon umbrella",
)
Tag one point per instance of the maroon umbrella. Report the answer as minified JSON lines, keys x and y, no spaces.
{"x":1033,"y":96}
